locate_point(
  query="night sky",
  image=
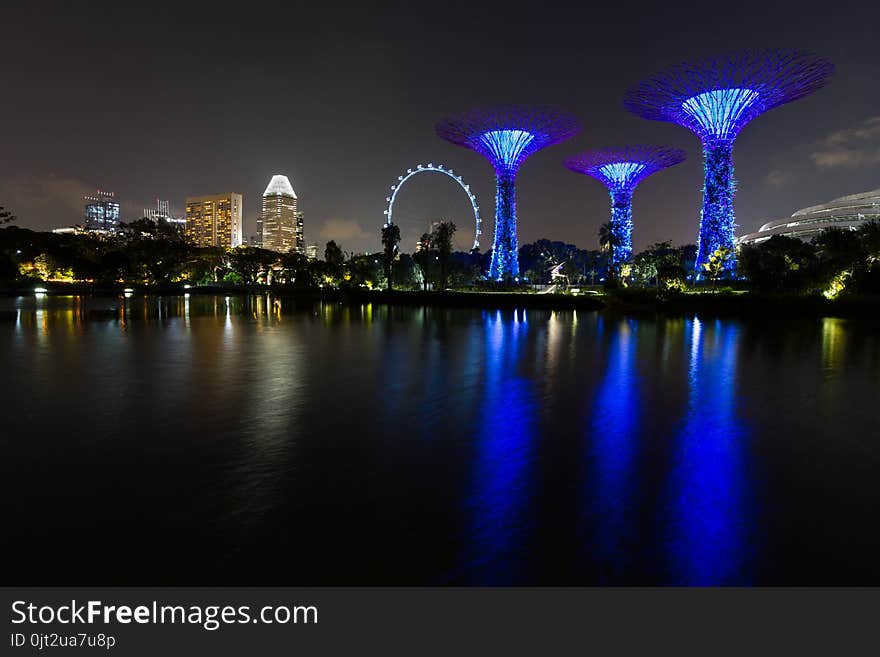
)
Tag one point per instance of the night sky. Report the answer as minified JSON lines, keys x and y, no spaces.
{"x":185,"y":99}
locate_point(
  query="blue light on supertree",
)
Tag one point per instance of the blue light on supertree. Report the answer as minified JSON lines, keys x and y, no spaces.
{"x":621,"y":170}
{"x":716,"y":98}
{"x":506,"y":136}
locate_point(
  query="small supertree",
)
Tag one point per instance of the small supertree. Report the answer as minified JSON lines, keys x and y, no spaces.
{"x":506,"y":136}
{"x":716,"y":98}
{"x":621,"y":170}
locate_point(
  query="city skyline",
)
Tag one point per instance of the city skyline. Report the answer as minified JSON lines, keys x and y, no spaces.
{"x":824,"y":147}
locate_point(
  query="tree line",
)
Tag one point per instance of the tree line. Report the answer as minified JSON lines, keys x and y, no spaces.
{"x":145,"y":252}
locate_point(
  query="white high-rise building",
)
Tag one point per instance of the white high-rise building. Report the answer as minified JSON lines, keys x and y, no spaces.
{"x":281,"y":224}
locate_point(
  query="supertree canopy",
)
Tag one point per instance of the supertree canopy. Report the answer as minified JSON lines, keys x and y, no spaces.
{"x":716,"y":98}
{"x":506,"y":136}
{"x":621,"y":170}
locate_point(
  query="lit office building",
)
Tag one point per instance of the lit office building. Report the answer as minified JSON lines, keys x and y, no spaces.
{"x":280,"y":227}
{"x":312,"y":251}
{"x":214,"y":220}
{"x":300,"y":242}
{"x":101,"y":212}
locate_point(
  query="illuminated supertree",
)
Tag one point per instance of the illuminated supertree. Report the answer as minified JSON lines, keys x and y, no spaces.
{"x":716,"y":98}
{"x":621,"y":170}
{"x":506,"y":136}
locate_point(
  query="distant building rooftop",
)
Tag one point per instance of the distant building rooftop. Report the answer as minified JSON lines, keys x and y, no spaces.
{"x":280,"y":185}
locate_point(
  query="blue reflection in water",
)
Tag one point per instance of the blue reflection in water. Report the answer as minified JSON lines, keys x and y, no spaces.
{"x":504,"y":450}
{"x":708,"y":541}
{"x":614,"y":434}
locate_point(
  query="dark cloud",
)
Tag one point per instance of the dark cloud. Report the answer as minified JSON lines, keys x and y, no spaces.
{"x":851,"y":147}
{"x":45,"y":202}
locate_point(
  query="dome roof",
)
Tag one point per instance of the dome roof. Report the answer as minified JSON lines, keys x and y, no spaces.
{"x":847,"y":212}
{"x":279,"y":185}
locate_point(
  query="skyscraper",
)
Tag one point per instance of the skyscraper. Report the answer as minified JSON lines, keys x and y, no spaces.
{"x":281,"y":224}
{"x":101,"y":212}
{"x":300,"y":241}
{"x":214,"y":220}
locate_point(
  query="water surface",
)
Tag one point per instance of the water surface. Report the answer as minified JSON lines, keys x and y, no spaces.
{"x":209,"y":440}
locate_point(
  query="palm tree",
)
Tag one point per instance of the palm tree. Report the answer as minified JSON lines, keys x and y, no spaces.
{"x":390,"y":240}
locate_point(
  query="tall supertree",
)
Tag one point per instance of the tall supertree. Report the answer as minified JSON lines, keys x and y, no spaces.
{"x":716,"y":98}
{"x":621,"y":170}
{"x":506,"y":136}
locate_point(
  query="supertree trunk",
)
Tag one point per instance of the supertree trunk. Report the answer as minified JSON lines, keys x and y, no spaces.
{"x":505,"y":260}
{"x":717,"y":218}
{"x":621,"y":225}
